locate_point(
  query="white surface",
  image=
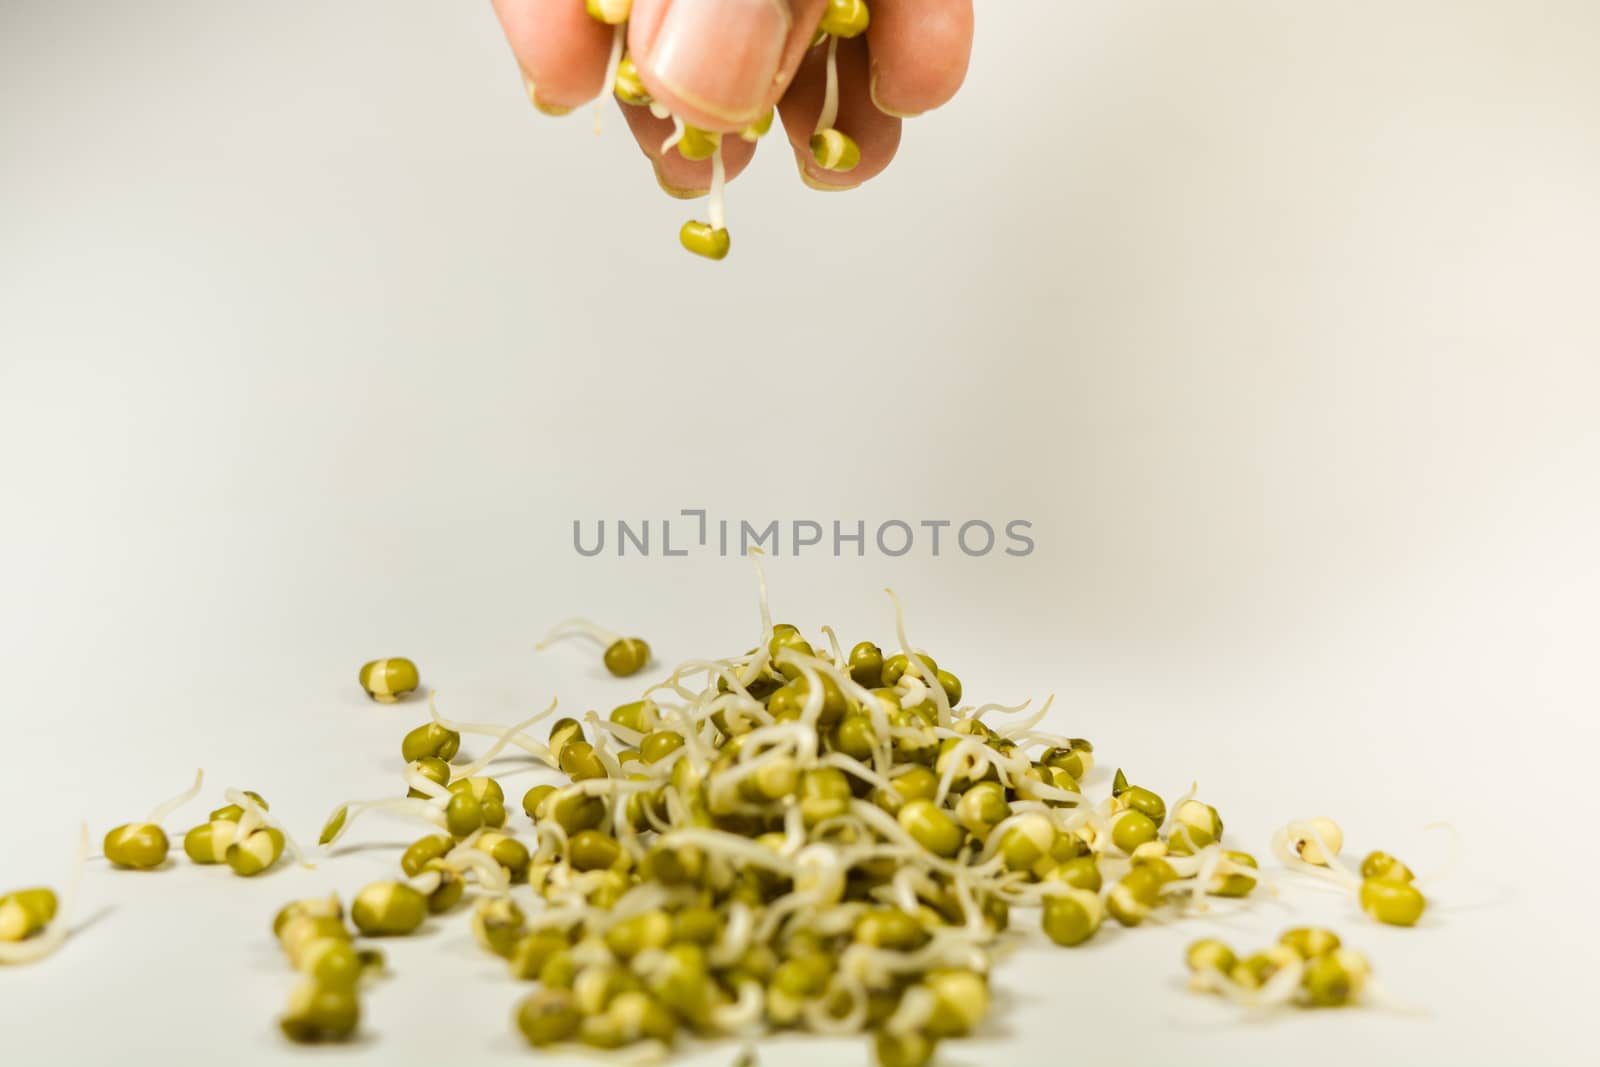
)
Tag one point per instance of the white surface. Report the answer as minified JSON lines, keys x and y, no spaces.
{"x":1277,"y":320}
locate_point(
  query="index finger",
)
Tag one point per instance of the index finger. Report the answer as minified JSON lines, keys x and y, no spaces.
{"x":562,"y":50}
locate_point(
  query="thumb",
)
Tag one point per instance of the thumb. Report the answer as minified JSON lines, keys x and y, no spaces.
{"x":720,"y":64}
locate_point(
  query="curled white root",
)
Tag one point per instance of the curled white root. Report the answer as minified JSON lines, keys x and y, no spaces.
{"x":466,"y":856}
{"x":1284,"y":849}
{"x":743,"y":1014}
{"x":583,"y":627}
{"x":167,"y":807}
{"x":675,"y":136}
{"x":507,"y":737}
{"x":1018,"y":729}
{"x":536,"y":749}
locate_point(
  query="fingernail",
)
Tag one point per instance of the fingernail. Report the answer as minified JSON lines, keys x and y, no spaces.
{"x":722,"y":56}
{"x":872,"y":91}
{"x":821,"y":187}
{"x":553,"y":110}
{"x":678,"y":192}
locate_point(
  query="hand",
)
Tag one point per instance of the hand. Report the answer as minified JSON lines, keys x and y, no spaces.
{"x":721,"y":64}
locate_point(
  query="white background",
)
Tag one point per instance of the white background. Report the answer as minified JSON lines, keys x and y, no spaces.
{"x":1277,"y":320}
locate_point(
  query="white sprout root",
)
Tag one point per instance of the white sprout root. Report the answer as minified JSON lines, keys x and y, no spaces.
{"x":839,"y":659}
{"x":429,"y":788}
{"x":466,"y":856}
{"x":608,"y":87}
{"x":538,"y":750}
{"x":167,"y":807}
{"x":426,"y":882}
{"x":744,"y":1014}
{"x":1018,"y":730}
{"x":761,"y":590}
{"x":672,"y":139}
{"x":578,"y":628}
{"x":716,"y":205}
{"x":1284,"y":849}
{"x":55,"y":935}
{"x":428,"y":811}
{"x":916,"y":665}
{"x":830,"y":96}
{"x":508,"y":736}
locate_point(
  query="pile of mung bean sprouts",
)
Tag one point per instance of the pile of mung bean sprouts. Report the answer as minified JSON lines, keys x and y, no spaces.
{"x":795,"y":838}
{"x":831,"y":148}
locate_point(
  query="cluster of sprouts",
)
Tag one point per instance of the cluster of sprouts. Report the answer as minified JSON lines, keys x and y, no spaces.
{"x":1308,"y":967}
{"x":240,"y":834}
{"x":795,"y":838}
{"x":798,"y":837}
{"x":452,"y":798}
{"x":325,"y":1005}
{"x":831,"y":148}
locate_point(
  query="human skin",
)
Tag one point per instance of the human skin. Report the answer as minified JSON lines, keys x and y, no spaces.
{"x":720,"y":64}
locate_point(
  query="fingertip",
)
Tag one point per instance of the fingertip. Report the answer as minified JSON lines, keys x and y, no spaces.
{"x":674,"y":191}
{"x":558,"y":47}
{"x":877,"y":99}
{"x":920,"y":53}
{"x":541,"y":105}
{"x":823,"y":181}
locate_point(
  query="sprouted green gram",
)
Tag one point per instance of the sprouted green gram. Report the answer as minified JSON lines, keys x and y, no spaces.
{"x":831,"y":148}
{"x":462,"y":803}
{"x":242,"y":835}
{"x":143,"y":846}
{"x":624,"y":656}
{"x":792,"y":838}
{"x":26,"y":912}
{"x":1308,"y":968}
{"x":387,"y":680}
{"x":33,"y":922}
{"x":325,"y":1005}
{"x":1384,"y":886}
{"x":610,"y":12}
{"x":845,"y":18}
